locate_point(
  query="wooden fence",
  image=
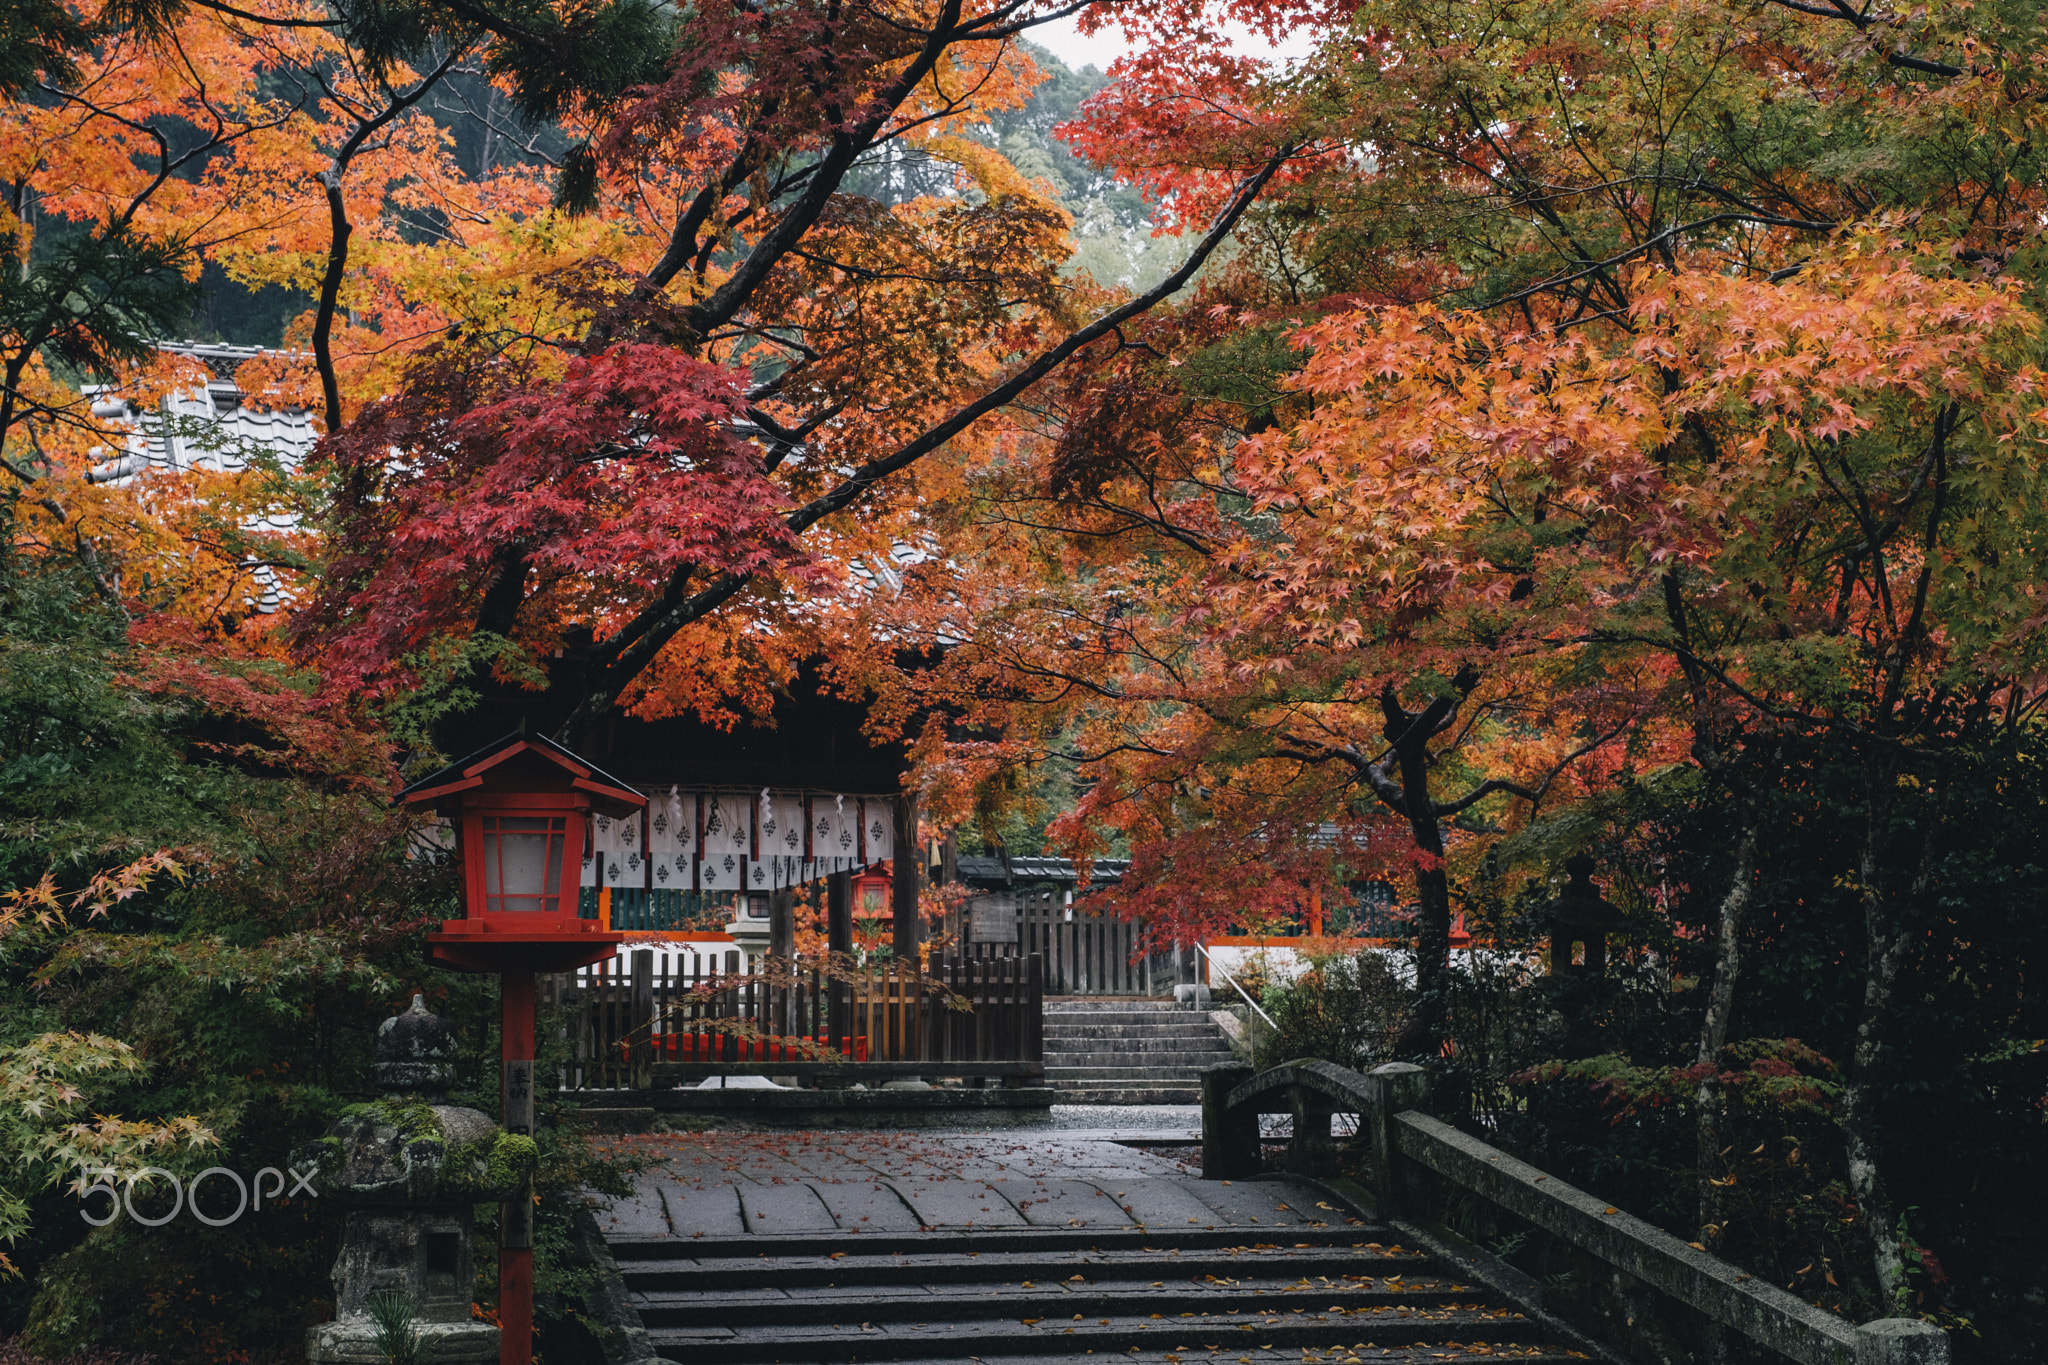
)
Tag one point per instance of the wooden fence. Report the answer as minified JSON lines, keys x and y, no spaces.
{"x":640,"y":1023}
{"x":1085,"y":953}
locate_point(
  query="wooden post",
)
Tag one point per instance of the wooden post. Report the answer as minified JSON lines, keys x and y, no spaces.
{"x":839,"y":912}
{"x":782,"y":924}
{"x":839,"y":939}
{"x":909,"y":930}
{"x":515,"y":1215}
{"x":1034,"y":1014}
{"x":1230,"y":1139}
{"x":640,"y":1020}
{"x":782,"y":950}
{"x":978,"y":973}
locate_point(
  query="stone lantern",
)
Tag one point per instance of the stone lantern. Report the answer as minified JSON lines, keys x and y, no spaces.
{"x":1579,"y":915}
{"x":410,"y":1170}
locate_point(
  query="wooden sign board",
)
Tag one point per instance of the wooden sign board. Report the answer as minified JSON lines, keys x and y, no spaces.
{"x":992,"y":918}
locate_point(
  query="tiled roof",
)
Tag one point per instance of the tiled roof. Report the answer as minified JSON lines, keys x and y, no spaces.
{"x":1025,"y":871}
{"x":207,"y":427}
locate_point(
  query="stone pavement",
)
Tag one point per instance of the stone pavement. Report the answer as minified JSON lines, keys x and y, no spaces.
{"x":737,"y":1184}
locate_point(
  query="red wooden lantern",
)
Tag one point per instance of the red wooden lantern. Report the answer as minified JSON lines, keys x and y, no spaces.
{"x":521,"y":809}
{"x":871,"y":893}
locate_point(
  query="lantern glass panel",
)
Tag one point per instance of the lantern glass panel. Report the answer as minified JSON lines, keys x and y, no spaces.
{"x":523,"y":863}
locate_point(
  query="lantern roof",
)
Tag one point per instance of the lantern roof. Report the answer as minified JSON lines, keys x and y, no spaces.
{"x":523,"y":762}
{"x":1580,"y":905}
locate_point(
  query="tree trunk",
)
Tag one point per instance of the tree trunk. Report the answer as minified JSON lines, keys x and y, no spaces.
{"x":1720,"y":1007}
{"x":1408,"y":735}
{"x":1887,"y":936}
{"x":1432,"y":903}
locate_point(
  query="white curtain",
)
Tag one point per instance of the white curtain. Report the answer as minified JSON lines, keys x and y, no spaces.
{"x":618,"y":844}
{"x":721,"y":871}
{"x":835,"y":832}
{"x":705,"y":840}
{"x":878,"y":827}
{"x":782,"y":825}
{"x":672,"y":840}
{"x":728,"y":825}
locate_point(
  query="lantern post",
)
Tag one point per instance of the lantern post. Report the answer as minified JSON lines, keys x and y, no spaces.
{"x":521,"y":811}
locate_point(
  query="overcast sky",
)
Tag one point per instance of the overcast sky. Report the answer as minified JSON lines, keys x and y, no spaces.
{"x":1106,"y":45}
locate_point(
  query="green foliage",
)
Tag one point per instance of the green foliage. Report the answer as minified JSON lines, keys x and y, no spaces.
{"x":38,"y":37}
{"x":1112,"y":237}
{"x":88,"y":297}
{"x":1246,"y":369}
{"x":584,"y":57}
{"x":1344,"y":1009}
{"x":14,"y":1353}
{"x":514,"y":1157}
{"x":398,"y":1338}
{"x":184,"y":1291}
{"x":224,"y":1018}
{"x":1778,"y":1191}
{"x":414,"y":1121}
{"x":44,"y":1082}
{"x":1594,"y":1081}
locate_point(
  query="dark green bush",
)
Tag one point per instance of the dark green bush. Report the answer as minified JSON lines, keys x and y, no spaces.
{"x":1347,"y":1009}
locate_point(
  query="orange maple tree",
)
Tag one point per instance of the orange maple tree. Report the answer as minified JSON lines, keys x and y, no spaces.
{"x":1586,"y":417}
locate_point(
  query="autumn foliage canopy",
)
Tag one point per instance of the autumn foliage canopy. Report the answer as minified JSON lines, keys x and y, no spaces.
{"x":1545,"y":403}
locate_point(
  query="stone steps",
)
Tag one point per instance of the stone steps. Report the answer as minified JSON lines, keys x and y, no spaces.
{"x":1135,"y":1051}
{"x":1126,"y":1052}
{"x":1088,"y":1028}
{"x":1124,"y":1095}
{"x":1133,"y":1011}
{"x":1057,"y":1076}
{"x":1051,"y":1294}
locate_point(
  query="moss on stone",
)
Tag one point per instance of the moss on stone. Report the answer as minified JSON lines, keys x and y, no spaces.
{"x":413,"y":1121}
{"x":514,"y":1157}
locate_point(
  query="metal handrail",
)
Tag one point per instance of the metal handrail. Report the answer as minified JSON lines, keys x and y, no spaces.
{"x":1234,"y":986}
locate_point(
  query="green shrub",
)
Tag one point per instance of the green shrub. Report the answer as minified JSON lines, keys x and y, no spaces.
{"x":1344,"y":1009}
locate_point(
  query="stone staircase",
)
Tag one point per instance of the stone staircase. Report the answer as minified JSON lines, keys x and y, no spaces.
{"x":1126,"y":1051}
{"x":1339,"y":1290}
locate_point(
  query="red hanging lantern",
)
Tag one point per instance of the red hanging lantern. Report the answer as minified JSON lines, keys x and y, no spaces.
{"x":521,"y":810}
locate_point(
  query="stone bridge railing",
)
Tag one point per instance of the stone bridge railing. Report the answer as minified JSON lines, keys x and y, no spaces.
{"x":1400,"y":1138}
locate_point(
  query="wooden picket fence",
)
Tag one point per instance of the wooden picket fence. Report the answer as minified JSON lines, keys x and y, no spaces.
{"x":638,"y":1026}
{"x":1085,"y":953}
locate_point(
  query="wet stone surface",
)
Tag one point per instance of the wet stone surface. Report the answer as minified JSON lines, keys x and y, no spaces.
{"x":1052,"y":1245}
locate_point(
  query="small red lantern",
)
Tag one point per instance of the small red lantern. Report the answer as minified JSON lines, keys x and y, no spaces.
{"x":871,"y":895}
{"x":521,"y":809}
